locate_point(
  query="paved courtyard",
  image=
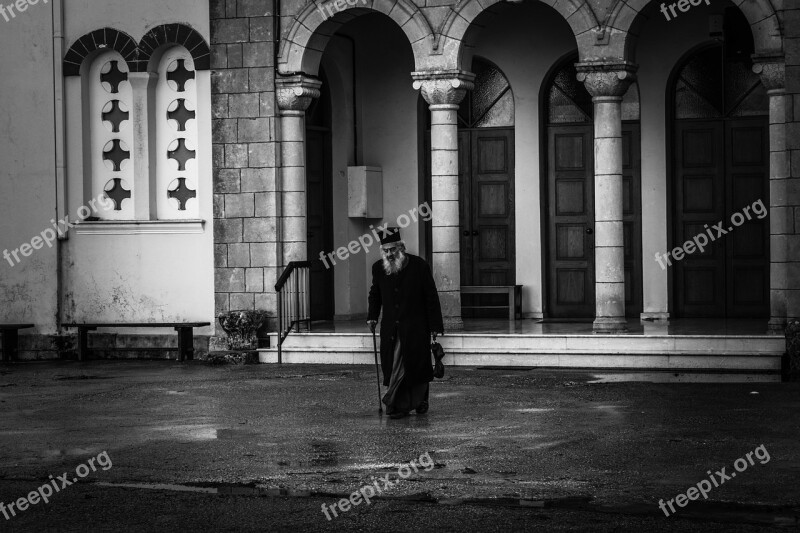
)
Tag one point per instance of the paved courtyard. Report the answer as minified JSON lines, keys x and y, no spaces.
{"x":265,"y":447}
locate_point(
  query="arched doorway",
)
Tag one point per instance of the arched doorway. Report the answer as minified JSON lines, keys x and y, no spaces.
{"x":720,"y":168}
{"x":568,"y":194}
{"x":319,"y":201}
{"x":486,"y":189}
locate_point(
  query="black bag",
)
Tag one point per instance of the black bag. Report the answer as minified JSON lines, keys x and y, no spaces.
{"x":438,"y":355}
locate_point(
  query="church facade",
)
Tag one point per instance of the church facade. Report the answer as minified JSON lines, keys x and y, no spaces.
{"x":617,"y":159}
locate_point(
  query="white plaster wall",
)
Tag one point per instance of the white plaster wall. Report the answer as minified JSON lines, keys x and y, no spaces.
{"x":386,"y":109}
{"x":661,"y":46}
{"x":135,"y":277}
{"x":27,"y":167}
{"x":134,"y":18}
{"x":525,"y":57}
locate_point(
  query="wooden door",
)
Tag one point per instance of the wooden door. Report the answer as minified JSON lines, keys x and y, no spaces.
{"x":570,"y":201}
{"x":319,"y":221}
{"x":631,"y":216}
{"x":747,"y":254}
{"x":486,"y":215}
{"x":699,"y":204}
{"x":491,"y":207}
{"x":721,"y":168}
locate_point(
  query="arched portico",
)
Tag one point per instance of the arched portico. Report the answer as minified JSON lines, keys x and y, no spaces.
{"x":301,"y":50}
{"x":622,"y":26}
{"x":455,"y":28}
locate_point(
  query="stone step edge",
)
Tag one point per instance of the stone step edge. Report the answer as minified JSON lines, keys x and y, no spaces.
{"x":482,"y":351}
{"x":773,"y":338}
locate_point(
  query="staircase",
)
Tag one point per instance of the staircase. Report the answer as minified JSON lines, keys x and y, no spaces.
{"x":740,"y":353}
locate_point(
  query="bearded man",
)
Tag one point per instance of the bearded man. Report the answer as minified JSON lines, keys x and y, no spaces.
{"x":403,"y":286}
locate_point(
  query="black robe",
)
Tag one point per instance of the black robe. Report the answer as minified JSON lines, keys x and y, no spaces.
{"x":411,"y":310}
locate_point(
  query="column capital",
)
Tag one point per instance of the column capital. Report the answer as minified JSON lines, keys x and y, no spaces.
{"x":294,"y":93}
{"x":606,"y":78}
{"x":771,"y":70}
{"x":443,"y":87}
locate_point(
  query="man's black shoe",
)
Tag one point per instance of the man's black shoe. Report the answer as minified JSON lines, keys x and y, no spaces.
{"x":422,"y":408}
{"x":399,"y":414}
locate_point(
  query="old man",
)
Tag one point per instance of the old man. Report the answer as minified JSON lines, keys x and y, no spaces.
{"x":403,"y":286}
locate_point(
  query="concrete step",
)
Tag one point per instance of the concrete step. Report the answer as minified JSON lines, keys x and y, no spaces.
{"x":700,"y":352}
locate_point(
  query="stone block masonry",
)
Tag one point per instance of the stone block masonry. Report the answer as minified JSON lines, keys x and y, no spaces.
{"x":246,"y":251}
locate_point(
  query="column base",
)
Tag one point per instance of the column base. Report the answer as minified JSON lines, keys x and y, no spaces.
{"x":654,"y":317}
{"x":776,"y":326}
{"x":610,"y":325}
{"x":453,"y":323}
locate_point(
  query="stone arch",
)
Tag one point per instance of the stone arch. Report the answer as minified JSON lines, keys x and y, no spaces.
{"x":105,"y":38}
{"x":179,"y":34}
{"x":577,"y":13}
{"x":622,"y":22}
{"x":301,"y":49}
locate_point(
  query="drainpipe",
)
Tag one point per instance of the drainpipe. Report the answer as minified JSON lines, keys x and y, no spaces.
{"x":60,"y":149}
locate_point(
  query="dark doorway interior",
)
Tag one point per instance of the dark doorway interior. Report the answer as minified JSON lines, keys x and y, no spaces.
{"x":319,"y":197}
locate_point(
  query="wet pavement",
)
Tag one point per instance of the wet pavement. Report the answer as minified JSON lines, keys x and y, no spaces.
{"x":264,"y":447}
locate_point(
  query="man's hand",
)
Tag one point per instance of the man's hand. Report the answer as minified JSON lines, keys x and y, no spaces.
{"x":372,"y":324}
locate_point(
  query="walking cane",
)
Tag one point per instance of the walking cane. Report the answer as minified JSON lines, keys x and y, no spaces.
{"x":377,"y":374}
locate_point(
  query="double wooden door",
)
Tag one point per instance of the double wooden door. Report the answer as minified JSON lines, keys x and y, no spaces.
{"x":721,"y":169}
{"x":570,"y":215}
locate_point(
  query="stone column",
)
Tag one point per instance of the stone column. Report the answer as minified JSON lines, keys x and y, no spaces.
{"x":443,"y":90}
{"x":782,"y":235}
{"x":607,"y":83}
{"x":294,"y":95}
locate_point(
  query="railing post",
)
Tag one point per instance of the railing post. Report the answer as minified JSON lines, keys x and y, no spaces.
{"x":280,"y":325}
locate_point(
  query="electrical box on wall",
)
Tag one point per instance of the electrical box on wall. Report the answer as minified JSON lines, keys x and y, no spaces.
{"x":364,"y":192}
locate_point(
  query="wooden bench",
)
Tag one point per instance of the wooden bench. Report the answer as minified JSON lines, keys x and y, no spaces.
{"x":514,"y":293}
{"x":185,"y":334}
{"x":10,"y":337}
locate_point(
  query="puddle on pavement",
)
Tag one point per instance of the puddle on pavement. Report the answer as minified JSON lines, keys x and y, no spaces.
{"x":324,"y":454}
{"x":684,"y":377}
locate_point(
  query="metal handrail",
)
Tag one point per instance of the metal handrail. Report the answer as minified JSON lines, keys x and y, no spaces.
{"x":294,"y":305}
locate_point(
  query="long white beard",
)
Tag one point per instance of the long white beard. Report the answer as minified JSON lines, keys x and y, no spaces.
{"x":395,"y":265}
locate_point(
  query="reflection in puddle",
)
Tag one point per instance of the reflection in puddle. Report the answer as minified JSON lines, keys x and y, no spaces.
{"x":324,"y":454}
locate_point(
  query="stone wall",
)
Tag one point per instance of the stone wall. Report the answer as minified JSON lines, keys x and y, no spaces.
{"x":791,"y":25}
{"x":245,"y":152}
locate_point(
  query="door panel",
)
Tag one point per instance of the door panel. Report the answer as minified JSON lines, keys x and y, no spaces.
{"x":465,"y":206}
{"x":492,"y":209}
{"x":571,"y":213}
{"x":748,"y":244}
{"x":631,"y":217}
{"x":699,"y":204}
{"x":721,"y":168}
{"x":486,"y":214}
